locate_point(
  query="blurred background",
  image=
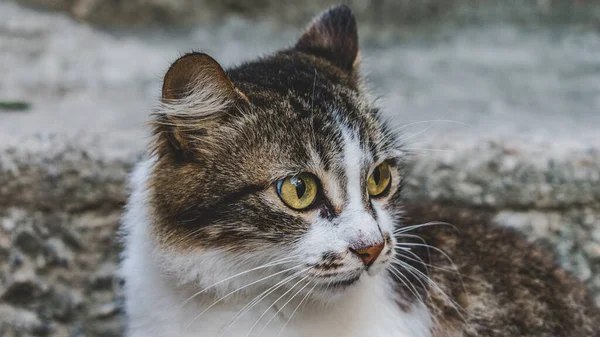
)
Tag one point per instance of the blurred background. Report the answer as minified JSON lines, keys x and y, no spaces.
{"x":499,"y":100}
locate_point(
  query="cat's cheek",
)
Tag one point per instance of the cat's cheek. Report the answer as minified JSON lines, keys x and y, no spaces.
{"x":320,"y":240}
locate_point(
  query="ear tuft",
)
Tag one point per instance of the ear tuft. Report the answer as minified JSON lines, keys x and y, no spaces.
{"x":333,"y":36}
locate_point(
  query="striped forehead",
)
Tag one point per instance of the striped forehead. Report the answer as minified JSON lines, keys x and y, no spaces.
{"x":345,"y":165}
{"x":334,"y":128}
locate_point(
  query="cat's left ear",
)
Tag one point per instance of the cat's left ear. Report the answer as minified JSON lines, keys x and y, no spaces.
{"x":333,"y":36}
{"x":196,"y":95}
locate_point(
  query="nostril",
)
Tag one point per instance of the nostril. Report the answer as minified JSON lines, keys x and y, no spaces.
{"x":363,"y":256}
{"x":368,"y":254}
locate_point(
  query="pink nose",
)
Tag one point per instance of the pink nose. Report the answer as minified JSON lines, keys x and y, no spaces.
{"x":369,"y":254}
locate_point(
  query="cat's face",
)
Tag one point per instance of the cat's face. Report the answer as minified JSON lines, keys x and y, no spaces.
{"x":279,"y":171}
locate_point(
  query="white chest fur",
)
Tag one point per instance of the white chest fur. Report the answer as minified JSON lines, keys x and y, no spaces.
{"x":154,"y":310}
{"x":154,"y":304}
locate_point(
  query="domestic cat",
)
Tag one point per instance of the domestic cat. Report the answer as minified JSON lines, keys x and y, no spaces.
{"x":271,"y":205}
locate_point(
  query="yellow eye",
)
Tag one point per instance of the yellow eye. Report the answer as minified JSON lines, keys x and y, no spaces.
{"x":298,"y":192}
{"x":379,"y":180}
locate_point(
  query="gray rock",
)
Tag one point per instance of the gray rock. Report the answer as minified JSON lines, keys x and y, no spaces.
{"x":595,"y":234}
{"x":72,"y":238}
{"x":582,"y":267}
{"x":65,"y":303}
{"x":4,"y":246}
{"x":592,"y":251}
{"x":22,"y":288}
{"x":105,"y":310}
{"x":104,"y":277}
{"x":16,"y":259}
{"x":57,"y":253}
{"x":77,"y":331}
{"x":22,"y":321}
{"x":27,"y":240}
{"x":104,"y":328}
{"x":9,"y":222}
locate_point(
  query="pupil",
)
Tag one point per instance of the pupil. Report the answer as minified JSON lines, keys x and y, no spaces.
{"x":377,"y":175}
{"x":300,"y":186}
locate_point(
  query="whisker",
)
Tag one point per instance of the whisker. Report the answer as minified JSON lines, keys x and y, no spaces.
{"x":425,"y":288}
{"x":429,"y":246}
{"x":401,"y":235}
{"x":298,"y":306}
{"x":404,"y":126}
{"x":283,"y":306}
{"x":272,"y":305}
{"x":402,"y":264}
{"x":413,"y":227}
{"x":408,"y":284}
{"x":427,"y":265}
{"x":267,"y":265}
{"x":427,"y":128}
{"x":417,"y":259}
{"x":454,"y":268}
{"x":312,"y":104}
{"x":426,"y":149}
{"x":426,"y":278}
{"x":234,"y":291}
{"x":260,"y":297}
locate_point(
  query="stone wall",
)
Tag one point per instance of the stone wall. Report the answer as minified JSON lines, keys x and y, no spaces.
{"x":59,"y":212}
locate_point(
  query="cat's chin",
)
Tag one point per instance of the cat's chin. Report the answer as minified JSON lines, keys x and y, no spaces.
{"x":342,"y":284}
{"x":332,"y":292}
{"x":336,"y":289}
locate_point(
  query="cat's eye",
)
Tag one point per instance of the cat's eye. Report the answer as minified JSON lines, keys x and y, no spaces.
{"x":298,"y":192}
{"x":380,"y":180}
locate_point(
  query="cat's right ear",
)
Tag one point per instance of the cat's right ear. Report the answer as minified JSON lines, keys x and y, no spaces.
{"x":333,"y":35}
{"x":196,"y":93}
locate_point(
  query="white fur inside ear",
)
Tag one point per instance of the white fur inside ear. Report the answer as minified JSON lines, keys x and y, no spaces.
{"x":203,"y":100}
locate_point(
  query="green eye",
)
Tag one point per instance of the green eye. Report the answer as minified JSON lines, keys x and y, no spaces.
{"x":298,"y":192}
{"x":379,"y":180}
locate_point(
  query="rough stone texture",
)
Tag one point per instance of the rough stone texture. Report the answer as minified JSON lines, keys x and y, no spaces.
{"x":63,"y":288}
{"x":382,"y":12}
{"x":58,"y":243}
{"x":530,"y":152}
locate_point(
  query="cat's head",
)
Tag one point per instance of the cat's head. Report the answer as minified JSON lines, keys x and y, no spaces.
{"x":278,"y":170}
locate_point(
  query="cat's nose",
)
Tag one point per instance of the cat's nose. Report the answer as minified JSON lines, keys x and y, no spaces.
{"x":368,"y":254}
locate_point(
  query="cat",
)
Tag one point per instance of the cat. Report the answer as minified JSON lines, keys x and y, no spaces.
{"x":271,"y":205}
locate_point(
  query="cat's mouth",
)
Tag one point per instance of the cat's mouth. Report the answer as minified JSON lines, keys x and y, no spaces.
{"x":343,"y":283}
{"x":339,"y":281}
{"x":336,"y":279}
